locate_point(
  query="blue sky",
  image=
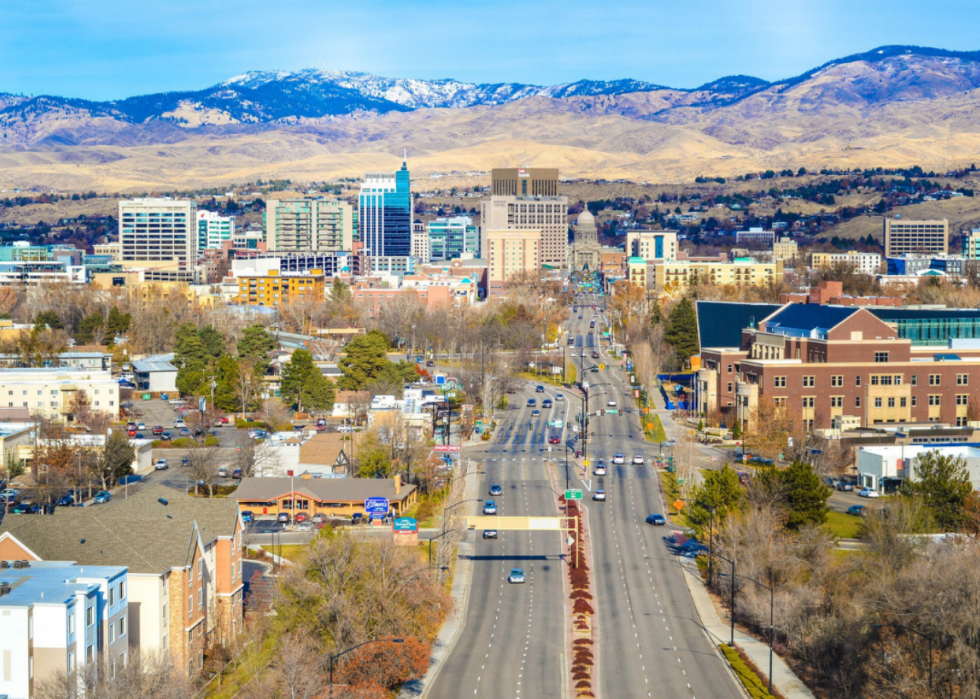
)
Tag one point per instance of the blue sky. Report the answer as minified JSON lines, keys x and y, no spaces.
{"x":103,"y":49}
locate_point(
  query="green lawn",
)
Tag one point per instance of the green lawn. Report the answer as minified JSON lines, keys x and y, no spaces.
{"x":843,"y":526}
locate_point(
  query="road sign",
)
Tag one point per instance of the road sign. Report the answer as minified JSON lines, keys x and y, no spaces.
{"x":678,"y":504}
{"x":573,"y":494}
{"x":602,"y":366}
{"x":405,"y":525}
{"x":446,"y":447}
{"x":376,"y":506}
{"x":586,"y":463}
{"x":612,"y":412}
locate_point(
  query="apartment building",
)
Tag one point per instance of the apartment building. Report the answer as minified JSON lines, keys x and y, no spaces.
{"x":420,"y":243}
{"x":183,"y":555}
{"x":863,"y":262}
{"x":213,"y":230}
{"x":158,"y":233}
{"x":54,"y":392}
{"x":451,"y":238}
{"x":547,"y":215}
{"x":971,"y":245}
{"x":273,"y":288}
{"x":385,"y":213}
{"x":829,"y":363}
{"x":637,"y":272}
{"x":298,"y":225}
{"x":511,"y":252}
{"x":58,"y":617}
{"x":784,"y":249}
{"x":524,"y":182}
{"x":906,"y":235}
{"x":653,"y":246}
{"x":740,"y":272}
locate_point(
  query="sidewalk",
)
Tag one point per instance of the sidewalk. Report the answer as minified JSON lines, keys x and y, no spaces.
{"x":719,"y":631}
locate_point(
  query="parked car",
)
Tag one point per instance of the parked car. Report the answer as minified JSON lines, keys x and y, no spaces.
{"x":743,"y":478}
{"x":430,"y":363}
{"x":357,"y":518}
{"x":489,"y":533}
{"x":185,"y":461}
{"x":599,"y":495}
{"x":161,"y":465}
{"x":26,"y":508}
{"x":165,"y":436}
{"x":868,"y":493}
{"x":142,"y":426}
{"x":66,"y":500}
{"x":516,"y":576}
{"x":157,"y":430}
{"x":321,"y":424}
{"x":247,"y":516}
{"x":283,"y":517}
{"x":845,"y":486}
{"x":225,"y":421}
{"x":305,"y":526}
{"x":237,"y":473}
{"x":131,"y":433}
{"x":496,"y":490}
{"x":301,"y":517}
{"x":164,"y":396}
{"x":133,"y":478}
{"x":319,"y":518}
{"x":656,"y":520}
{"x":102,"y":497}
{"x":140,"y":435}
{"x":856,"y":510}
{"x":179,"y":423}
{"x":222,"y":472}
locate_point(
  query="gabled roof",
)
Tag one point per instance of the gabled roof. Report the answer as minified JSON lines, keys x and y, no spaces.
{"x":805,"y":319}
{"x":720,"y":324}
{"x":138,"y":532}
{"x":322,"y":449}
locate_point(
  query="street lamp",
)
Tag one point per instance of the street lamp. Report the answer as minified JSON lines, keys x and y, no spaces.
{"x":926,"y":636}
{"x":353,"y":648}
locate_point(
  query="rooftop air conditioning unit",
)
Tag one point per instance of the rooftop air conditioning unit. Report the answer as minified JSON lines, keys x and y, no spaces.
{"x":4,"y":565}
{"x":20,"y":564}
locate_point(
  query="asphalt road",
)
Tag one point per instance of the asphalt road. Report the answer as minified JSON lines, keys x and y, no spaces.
{"x":651,"y":641}
{"x":513,"y":642}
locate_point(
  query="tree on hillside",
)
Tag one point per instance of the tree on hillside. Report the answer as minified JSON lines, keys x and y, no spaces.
{"x":117,"y":324}
{"x":48,"y":320}
{"x":682,"y":330}
{"x":91,"y":329}
{"x":806,"y":495}
{"x":944,"y":484}
{"x":304,"y":385}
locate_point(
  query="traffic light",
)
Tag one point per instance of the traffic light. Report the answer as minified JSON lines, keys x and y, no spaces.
{"x":602,"y":412}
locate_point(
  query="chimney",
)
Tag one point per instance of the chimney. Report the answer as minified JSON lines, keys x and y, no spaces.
{"x":398,"y":484}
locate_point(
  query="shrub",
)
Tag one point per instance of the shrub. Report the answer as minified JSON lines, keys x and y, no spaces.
{"x":578,"y":668}
{"x":583,"y":642}
{"x":583,"y":684}
{"x":580,"y":594}
{"x":581,"y":676}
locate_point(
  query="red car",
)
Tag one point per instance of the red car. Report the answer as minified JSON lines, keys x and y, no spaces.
{"x":158,"y":430}
{"x":131,"y":432}
{"x":225,"y":421}
{"x":300,"y":517}
{"x":554,"y":439}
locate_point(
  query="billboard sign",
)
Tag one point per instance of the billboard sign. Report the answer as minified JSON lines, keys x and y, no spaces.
{"x":376,"y":506}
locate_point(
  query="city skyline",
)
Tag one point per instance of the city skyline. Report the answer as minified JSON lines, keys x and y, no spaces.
{"x":114,"y":52}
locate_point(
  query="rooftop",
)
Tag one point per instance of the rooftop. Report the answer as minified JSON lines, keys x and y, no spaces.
{"x":322,"y":489}
{"x":52,"y":582}
{"x":808,"y":320}
{"x":720,"y":324}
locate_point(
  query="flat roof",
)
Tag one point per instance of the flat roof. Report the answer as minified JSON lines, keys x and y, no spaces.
{"x":52,"y":582}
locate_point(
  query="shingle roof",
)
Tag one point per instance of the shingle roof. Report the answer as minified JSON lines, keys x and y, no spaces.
{"x":720,"y":324}
{"x":322,"y":449}
{"x":322,"y":489}
{"x":138,"y":532}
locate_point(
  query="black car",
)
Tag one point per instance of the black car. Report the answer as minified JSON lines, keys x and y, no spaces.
{"x":23,"y":508}
{"x":165,"y":437}
{"x":656,"y":520}
{"x":546,"y":403}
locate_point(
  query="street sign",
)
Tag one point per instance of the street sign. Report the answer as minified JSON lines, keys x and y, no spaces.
{"x":612,"y":412}
{"x":573,"y":494}
{"x":602,"y":366}
{"x":376,"y":506}
{"x":678,"y":504}
{"x":405,"y":525}
{"x":446,"y":447}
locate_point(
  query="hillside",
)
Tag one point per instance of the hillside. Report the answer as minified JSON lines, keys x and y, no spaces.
{"x":893,"y":106}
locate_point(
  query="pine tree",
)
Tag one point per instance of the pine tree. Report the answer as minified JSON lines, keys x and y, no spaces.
{"x":364,"y":359}
{"x":226,"y":384}
{"x":806,"y":495}
{"x":682,"y":330}
{"x":255,"y":345}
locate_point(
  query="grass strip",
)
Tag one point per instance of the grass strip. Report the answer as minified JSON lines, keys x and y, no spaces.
{"x":755,"y":683}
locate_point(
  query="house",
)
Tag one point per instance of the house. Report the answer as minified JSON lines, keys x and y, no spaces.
{"x":56,"y":617}
{"x":333,"y":497}
{"x":351,"y":405}
{"x":315,"y":453}
{"x":183,"y":555}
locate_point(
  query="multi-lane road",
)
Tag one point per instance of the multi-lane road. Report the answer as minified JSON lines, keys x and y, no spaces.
{"x":650,"y":641}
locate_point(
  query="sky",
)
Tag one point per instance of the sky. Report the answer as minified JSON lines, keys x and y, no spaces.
{"x":108,"y":49}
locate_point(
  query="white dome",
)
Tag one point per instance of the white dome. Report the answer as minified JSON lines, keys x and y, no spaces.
{"x":585,"y":219}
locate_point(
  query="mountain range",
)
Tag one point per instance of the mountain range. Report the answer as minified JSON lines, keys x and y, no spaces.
{"x":892,"y":105}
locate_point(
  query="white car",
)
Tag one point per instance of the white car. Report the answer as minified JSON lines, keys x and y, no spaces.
{"x":161,"y":465}
{"x":611,"y":404}
{"x":179,"y":423}
{"x":599,"y":495}
{"x":619,"y":459}
{"x":599,"y":471}
{"x":559,"y":396}
{"x":516,"y":576}
{"x":868,"y":493}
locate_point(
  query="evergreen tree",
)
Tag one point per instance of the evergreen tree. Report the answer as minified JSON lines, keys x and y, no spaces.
{"x":214,"y":341}
{"x":719,"y":495}
{"x":806,"y":495}
{"x":682,"y":330}
{"x":88,"y":327}
{"x":303,"y":384}
{"x":47,"y":319}
{"x":340,"y":292}
{"x":944,"y":483}
{"x":226,"y":384}
{"x":255,"y":345}
{"x":656,"y":313}
{"x":118,"y":323}
{"x":364,"y":359}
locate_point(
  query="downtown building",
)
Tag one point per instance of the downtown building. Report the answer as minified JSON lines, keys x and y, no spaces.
{"x":384,"y":208}
{"x":304,"y":225}
{"x":906,"y":235}
{"x":159,"y":234}
{"x":213,"y":230}
{"x":451,"y":238}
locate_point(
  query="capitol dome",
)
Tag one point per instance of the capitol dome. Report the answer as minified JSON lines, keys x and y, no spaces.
{"x":585,"y":219}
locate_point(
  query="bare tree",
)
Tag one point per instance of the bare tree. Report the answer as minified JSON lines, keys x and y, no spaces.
{"x":146,"y":675}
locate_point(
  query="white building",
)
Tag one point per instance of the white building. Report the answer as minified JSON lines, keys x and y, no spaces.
{"x":213,"y":229}
{"x":156,"y":374}
{"x":158,"y":233}
{"x":297,"y":225}
{"x":652,"y":246}
{"x":57,"y":617}
{"x":755,"y":236}
{"x":53,"y":392}
{"x":863,"y":262}
{"x":884,"y":468}
{"x":420,"y":242}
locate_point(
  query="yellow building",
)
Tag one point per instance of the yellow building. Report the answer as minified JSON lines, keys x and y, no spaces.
{"x":273,"y":288}
{"x":636,"y":268}
{"x":511,"y":252}
{"x":784,"y":249}
{"x":740,"y":272}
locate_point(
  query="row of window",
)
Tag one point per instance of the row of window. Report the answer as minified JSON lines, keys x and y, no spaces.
{"x":934,"y":399}
{"x":837,"y":381}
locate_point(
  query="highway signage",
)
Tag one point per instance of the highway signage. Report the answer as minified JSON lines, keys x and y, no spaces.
{"x":376,"y":506}
{"x":405,"y":525}
{"x":573,"y":494}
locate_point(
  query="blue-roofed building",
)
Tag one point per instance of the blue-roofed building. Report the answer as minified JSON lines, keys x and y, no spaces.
{"x":57,"y":616}
{"x":156,"y":374}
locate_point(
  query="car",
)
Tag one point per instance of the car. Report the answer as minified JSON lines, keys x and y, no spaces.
{"x":539,"y":389}
{"x":165,"y":436}
{"x":516,"y":576}
{"x":669,"y":443}
{"x":301,"y":517}
{"x":554,"y":439}
{"x":357,"y":518}
{"x":131,"y":433}
{"x":610,"y":403}
{"x":595,"y":355}
{"x":419,"y":359}
{"x":638,"y":460}
{"x":283,"y":517}
{"x":179,"y":423}
{"x":743,"y":478}
{"x":430,"y":363}
{"x":531,"y":402}
{"x":489,"y":507}
{"x":571,"y":342}
{"x":599,"y":470}
{"x":559,"y":396}
{"x":594,"y":370}
{"x":496,"y":490}
{"x":142,"y":427}
{"x":580,"y":317}
{"x":511,"y":391}
{"x":26,"y":508}
{"x":222,"y":472}
{"x":535,"y":413}
{"x":619,"y":459}
{"x":102,"y":497}
{"x":867,"y":493}
{"x":489,"y":533}
{"x":546,"y":403}
{"x":185,"y":461}
{"x":656,"y":520}
{"x":164,"y":396}
{"x":161,"y":465}
{"x":185,"y":432}
{"x":247,"y":516}
{"x":599,"y":495}
{"x":157,"y":430}
{"x":66,"y":500}
{"x":237,"y":473}
{"x":305,"y":526}
{"x":225,"y":421}
{"x":856,"y":510}
{"x":140,"y":435}
{"x":844,"y":486}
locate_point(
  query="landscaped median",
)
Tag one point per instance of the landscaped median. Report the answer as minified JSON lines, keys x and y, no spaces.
{"x":755,"y":683}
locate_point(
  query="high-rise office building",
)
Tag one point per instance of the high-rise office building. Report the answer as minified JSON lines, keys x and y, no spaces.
{"x":304,"y":225}
{"x":549,"y":215}
{"x":158,"y":233}
{"x":905,"y":235}
{"x":213,"y":229}
{"x":524,"y":182}
{"x":420,"y":242}
{"x":385,"y":214}
{"x":450,"y":238}
{"x":510,"y":252}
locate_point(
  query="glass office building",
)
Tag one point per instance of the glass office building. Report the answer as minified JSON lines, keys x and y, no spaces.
{"x":449,"y":238}
{"x":932,"y":327}
{"x":385,"y":214}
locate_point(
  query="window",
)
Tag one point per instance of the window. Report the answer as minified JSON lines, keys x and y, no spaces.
{"x":729,"y":387}
{"x":112,"y":633}
{"x":961,"y":421}
{"x":913,"y":401}
{"x":779,"y":401}
{"x":809,"y":381}
{"x":891,"y":402}
{"x":898,"y":379}
{"x":808,"y":401}
{"x":30,"y":667}
{"x":934,"y":379}
{"x":962,"y":379}
{"x":30,"y":627}
{"x":836,"y":381}
{"x":71,"y":620}
{"x":122,"y":626}
{"x":857,"y":380}
{"x":874,"y":379}
{"x":962,"y":399}
{"x":90,"y":654}
{"x":780,"y":381}
{"x":881,"y":357}
{"x":915,"y":380}
{"x":112,"y":595}
{"x":877,"y":402}
{"x":165,"y":612}
{"x":71,"y":662}
{"x":901,"y":402}
{"x":934,"y":399}
{"x":857,"y":402}
{"x":837,"y":401}
{"x":729,"y":368}
{"x":122,"y":590}
{"x":89,"y":616}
